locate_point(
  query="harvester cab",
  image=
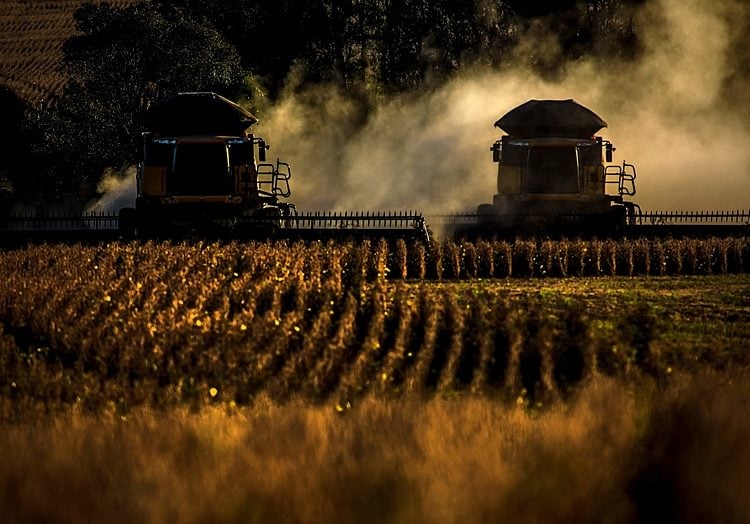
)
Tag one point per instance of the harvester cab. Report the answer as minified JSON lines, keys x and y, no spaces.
{"x":200,"y":170}
{"x":552,"y":170}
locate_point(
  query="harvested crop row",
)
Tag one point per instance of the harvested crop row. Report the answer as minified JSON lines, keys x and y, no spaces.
{"x":161,"y":324}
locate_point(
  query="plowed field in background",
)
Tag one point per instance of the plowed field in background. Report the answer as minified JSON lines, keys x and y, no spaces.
{"x":32,"y":34}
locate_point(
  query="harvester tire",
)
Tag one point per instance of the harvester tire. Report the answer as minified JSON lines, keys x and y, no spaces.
{"x":127,"y":223}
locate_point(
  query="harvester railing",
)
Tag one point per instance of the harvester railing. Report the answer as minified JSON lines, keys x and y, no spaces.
{"x":621,"y":176}
{"x":357,"y":219}
{"x":32,"y":221}
{"x":274,"y":178}
{"x":692,"y":217}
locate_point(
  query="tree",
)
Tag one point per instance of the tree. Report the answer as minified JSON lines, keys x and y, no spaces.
{"x":14,"y":155}
{"x":398,"y":45}
{"x":272,"y":35}
{"x":600,"y":28}
{"x":124,"y":59}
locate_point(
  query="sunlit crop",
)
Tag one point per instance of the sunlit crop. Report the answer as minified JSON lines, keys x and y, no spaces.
{"x":124,"y":325}
{"x":374,"y":381}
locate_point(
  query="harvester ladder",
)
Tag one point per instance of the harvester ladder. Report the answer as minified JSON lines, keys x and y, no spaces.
{"x":623,"y":177}
{"x":274,"y":179}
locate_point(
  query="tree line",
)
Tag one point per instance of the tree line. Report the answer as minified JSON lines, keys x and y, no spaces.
{"x":125,"y":58}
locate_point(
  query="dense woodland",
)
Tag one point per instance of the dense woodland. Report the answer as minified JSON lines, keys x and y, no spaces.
{"x":124,"y":58}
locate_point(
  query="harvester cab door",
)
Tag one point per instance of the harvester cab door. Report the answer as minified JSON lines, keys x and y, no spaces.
{"x":155,"y":167}
{"x":242,"y":160}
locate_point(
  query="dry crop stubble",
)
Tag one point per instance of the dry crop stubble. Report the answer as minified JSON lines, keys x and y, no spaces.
{"x":310,"y":382}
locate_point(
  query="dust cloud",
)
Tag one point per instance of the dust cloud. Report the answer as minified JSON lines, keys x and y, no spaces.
{"x":669,"y":113}
{"x":117,"y":189}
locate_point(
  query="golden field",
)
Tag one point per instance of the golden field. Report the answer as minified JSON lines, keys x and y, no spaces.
{"x":329,"y":382}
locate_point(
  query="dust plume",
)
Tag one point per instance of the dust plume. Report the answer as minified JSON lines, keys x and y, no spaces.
{"x":686,"y":132}
{"x":117,"y":190}
{"x":679,"y":113}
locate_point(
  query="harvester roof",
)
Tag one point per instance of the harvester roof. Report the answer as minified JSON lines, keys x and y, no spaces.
{"x":198,"y":114}
{"x":551,"y":118}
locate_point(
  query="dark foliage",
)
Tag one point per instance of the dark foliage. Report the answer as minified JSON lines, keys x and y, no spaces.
{"x":398,"y":45}
{"x":13,"y":151}
{"x":124,"y":59}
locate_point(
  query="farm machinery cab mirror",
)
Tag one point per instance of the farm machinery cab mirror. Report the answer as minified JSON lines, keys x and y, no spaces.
{"x":609,"y":148}
{"x":262,"y":148}
{"x":497,"y":151}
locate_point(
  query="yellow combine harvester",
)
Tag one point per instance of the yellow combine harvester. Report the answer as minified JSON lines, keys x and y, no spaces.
{"x":553,"y":174}
{"x":201,"y":171}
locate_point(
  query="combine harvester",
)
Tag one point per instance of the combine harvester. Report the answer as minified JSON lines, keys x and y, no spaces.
{"x":200,"y":175}
{"x":556,"y":179}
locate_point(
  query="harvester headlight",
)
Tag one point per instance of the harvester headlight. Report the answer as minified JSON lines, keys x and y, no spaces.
{"x":236,"y":141}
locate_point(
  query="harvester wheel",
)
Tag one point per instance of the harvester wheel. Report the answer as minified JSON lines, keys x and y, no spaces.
{"x":486,"y":210}
{"x":127,"y":222}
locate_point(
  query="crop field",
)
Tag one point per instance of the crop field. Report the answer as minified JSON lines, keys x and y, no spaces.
{"x":534,"y":380}
{"x":32,"y":35}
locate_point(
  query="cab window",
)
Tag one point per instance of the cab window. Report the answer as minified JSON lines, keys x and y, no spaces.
{"x":201,"y":169}
{"x":551,"y":170}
